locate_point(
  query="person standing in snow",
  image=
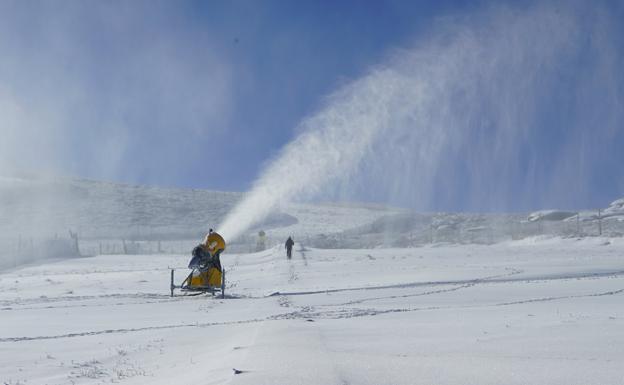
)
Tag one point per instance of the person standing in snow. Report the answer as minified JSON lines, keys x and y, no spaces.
{"x":289,"y":245}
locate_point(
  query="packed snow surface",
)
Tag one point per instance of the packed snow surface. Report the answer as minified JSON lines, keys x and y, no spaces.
{"x":536,"y":311}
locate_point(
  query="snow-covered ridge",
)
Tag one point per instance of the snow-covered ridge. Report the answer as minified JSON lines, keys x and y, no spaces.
{"x":35,"y":207}
{"x":99,"y":210}
{"x":550,"y":215}
{"x":615,"y":208}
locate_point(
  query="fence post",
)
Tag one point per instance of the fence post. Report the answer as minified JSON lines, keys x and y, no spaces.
{"x":599,"y":222}
{"x":431,"y":233}
{"x":74,"y":237}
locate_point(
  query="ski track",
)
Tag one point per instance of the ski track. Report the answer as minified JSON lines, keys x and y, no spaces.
{"x":310,"y":313}
{"x":44,"y":300}
{"x":431,"y":292}
{"x":129,"y":330}
{"x":493,"y":279}
{"x":129,"y":303}
{"x":293,"y":276}
{"x":301,"y":251}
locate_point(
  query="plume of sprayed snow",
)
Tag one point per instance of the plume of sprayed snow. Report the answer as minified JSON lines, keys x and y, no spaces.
{"x":458,"y":114}
{"x":331,"y":144}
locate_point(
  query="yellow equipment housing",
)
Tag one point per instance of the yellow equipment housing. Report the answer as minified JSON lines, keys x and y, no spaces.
{"x":214,"y":242}
{"x":210,"y":281}
{"x":212,"y":277}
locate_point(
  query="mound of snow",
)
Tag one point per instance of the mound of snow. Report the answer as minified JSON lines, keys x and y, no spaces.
{"x":550,"y":215}
{"x":615,"y":208}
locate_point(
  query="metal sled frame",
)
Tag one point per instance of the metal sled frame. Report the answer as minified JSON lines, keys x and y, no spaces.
{"x":185,"y":286}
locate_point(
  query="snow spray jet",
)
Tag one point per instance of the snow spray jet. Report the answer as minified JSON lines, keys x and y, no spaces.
{"x":327,"y":149}
{"x":455,"y":118}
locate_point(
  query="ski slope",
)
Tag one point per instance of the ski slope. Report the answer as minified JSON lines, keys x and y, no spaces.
{"x":538,"y":311}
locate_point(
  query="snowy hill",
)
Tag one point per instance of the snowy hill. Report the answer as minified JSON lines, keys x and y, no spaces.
{"x":38,"y":215}
{"x":616,"y":208}
{"x":39,"y":208}
{"x":110,"y":210}
{"x":107,"y":210}
{"x":107,"y":217}
{"x":539,"y":312}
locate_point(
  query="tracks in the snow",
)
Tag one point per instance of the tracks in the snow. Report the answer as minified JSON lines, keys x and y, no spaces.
{"x":302,"y":251}
{"x":310,"y":313}
{"x":505,"y":278}
{"x":49,"y":302}
{"x":128,"y":330}
{"x":288,"y":311}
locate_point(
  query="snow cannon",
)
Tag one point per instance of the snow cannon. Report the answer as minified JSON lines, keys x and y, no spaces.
{"x":214,"y":242}
{"x":206,"y":275}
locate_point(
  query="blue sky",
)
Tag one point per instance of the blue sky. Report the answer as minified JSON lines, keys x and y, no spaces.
{"x":203,"y":94}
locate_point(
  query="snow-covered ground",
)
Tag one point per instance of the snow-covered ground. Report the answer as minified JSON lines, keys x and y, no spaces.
{"x":535,"y":311}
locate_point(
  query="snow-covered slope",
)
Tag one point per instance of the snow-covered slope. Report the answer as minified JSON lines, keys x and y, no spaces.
{"x":38,"y":214}
{"x":616,"y":208}
{"x":524,"y":312}
{"x":111,"y":210}
{"x":539,"y":309}
{"x":100,"y":209}
{"x":550,"y":215}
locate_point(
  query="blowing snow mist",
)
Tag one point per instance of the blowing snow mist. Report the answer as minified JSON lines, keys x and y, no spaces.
{"x":456,"y":118}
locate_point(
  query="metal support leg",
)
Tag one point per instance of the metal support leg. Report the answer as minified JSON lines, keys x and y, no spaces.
{"x":223,"y":283}
{"x":172,"y":286}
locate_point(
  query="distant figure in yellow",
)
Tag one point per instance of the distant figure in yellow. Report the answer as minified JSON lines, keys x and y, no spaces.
{"x":261,"y":244}
{"x":207,"y":253}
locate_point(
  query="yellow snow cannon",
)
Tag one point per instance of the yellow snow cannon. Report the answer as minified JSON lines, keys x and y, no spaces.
{"x":207,"y":275}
